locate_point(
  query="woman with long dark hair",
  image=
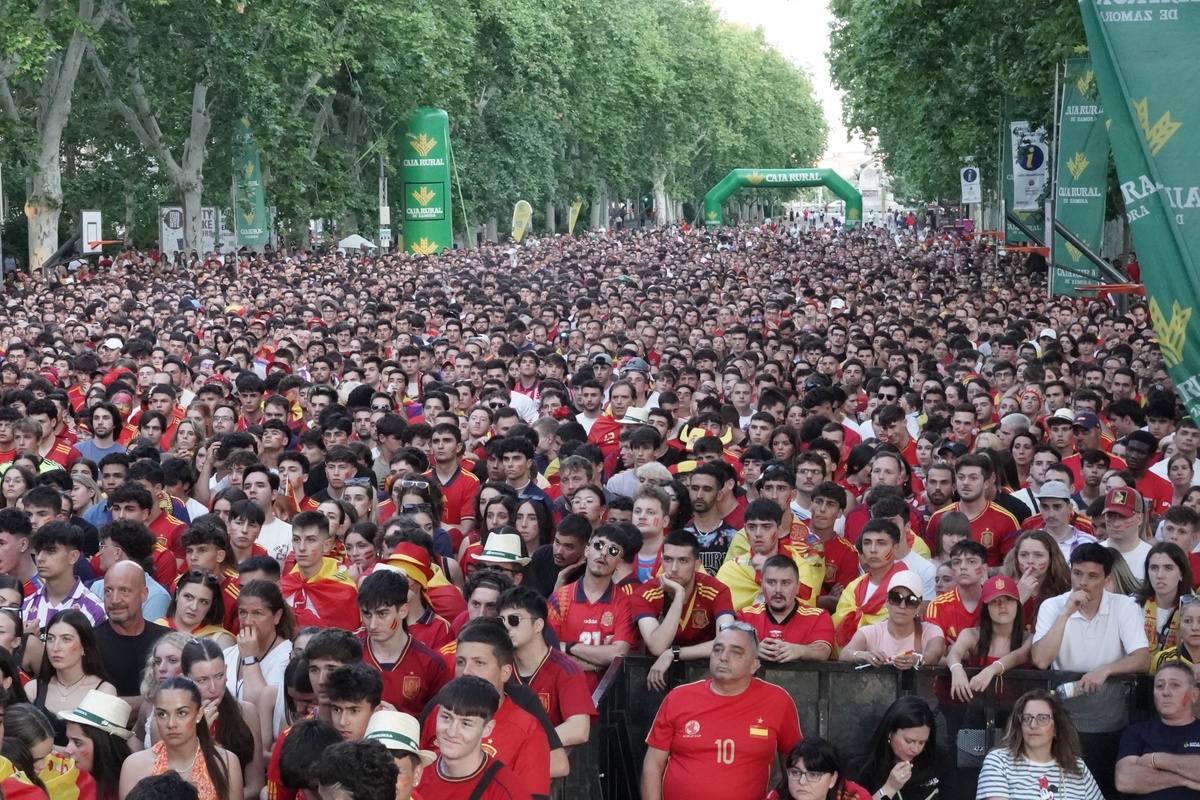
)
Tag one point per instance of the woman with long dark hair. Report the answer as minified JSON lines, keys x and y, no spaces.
{"x":1038,"y":566}
{"x":999,"y":643}
{"x":1168,"y":577}
{"x":185,"y":746}
{"x":267,"y":629}
{"x":900,"y":761}
{"x":1039,"y":757}
{"x":71,"y":667}
{"x":814,"y":771}
{"x":98,"y":740}
{"x":233,"y":723}
{"x":198,"y":607}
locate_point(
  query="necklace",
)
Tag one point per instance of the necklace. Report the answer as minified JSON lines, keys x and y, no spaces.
{"x":66,"y":689}
{"x":190,"y":766}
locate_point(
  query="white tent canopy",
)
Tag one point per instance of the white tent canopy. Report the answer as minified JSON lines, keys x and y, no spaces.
{"x":355,"y":242}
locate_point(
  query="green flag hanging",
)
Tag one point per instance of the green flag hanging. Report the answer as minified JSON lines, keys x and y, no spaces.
{"x":1143,"y":56}
{"x":250,"y":205}
{"x":1025,"y":160}
{"x":1082,"y":171}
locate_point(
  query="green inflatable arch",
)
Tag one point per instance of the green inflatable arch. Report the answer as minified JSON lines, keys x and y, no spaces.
{"x":770,"y":178}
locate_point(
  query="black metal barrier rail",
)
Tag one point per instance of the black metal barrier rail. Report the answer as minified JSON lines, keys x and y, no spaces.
{"x":843,"y":704}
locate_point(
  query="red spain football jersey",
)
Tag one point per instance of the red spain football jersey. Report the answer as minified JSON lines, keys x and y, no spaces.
{"x":560,"y":687}
{"x":994,"y":528}
{"x":431,"y":630}
{"x":413,"y":680}
{"x":726,"y":741}
{"x":517,"y":739}
{"x":802,"y":625}
{"x":504,"y":785}
{"x":574,"y":618}
{"x":459,"y":496}
{"x":1157,"y":493}
{"x":709,"y":600}
{"x":841,"y":562}
{"x":948,"y":613}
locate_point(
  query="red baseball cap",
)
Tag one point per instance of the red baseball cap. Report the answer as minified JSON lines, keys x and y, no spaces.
{"x":1000,"y":586}
{"x":1123,"y":501}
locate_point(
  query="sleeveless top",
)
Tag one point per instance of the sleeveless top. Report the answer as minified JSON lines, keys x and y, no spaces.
{"x":199,"y":778}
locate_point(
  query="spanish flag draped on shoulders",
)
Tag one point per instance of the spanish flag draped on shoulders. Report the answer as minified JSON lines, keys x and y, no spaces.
{"x":744,"y":579}
{"x":859,"y":605}
{"x":605,"y":433}
{"x":328,"y":599}
{"x":17,"y":786}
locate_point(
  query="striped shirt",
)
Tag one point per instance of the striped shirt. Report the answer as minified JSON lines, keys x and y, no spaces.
{"x":1028,"y":780}
{"x":38,"y":608}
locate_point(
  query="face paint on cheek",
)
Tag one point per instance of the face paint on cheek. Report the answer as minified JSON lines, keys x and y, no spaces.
{"x":978,"y":571}
{"x":395,"y":624}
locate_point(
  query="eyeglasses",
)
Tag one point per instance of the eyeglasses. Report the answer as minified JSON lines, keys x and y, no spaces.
{"x":1036,"y":720}
{"x":601,"y":546}
{"x":414,"y":508}
{"x":512,"y":620}
{"x":408,"y":483}
{"x":381,"y":408}
{"x":903,"y":600}
{"x":804,"y":775}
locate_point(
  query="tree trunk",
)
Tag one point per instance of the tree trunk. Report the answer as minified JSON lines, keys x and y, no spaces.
{"x":660,"y":197}
{"x":493,"y":227}
{"x":44,"y":205}
{"x":127,"y":240}
{"x":190,"y":175}
{"x":551,"y":218}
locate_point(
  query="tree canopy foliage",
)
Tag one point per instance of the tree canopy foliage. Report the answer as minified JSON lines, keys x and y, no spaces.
{"x":929,"y":80}
{"x":549,"y":100}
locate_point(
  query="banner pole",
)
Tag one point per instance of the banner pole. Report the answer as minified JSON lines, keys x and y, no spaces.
{"x":1056,"y":149}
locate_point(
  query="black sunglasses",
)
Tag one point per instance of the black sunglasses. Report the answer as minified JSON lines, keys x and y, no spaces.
{"x":411,"y":508}
{"x":904,"y":600}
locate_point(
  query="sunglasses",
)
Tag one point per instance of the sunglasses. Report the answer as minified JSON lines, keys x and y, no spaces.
{"x":883,"y":396}
{"x":202,"y":576}
{"x":358,"y":482}
{"x":381,"y":408}
{"x":903,"y":600}
{"x":412,"y":508}
{"x":1188,"y":599}
{"x":409,"y":483}
{"x":601,"y":546}
{"x":513,"y":620}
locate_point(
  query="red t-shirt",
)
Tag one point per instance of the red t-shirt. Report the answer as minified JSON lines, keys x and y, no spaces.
{"x":505,"y":785}
{"x":63,"y":454}
{"x":170,"y":529}
{"x":574,"y":618}
{"x":841,"y":562}
{"x":518,"y":740}
{"x":413,"y":680}
{"x":459,"y":496}
{"x":1157,"y":492}
{"x":559,"y":685}
{"x":431,"y":630}
{"x":717,"y":740}
{"x":994,"y":528}
{"x":948,"y":613}
{"x":802,"y":625}
{"x":710,"y":599}
{"x":275,"y":788}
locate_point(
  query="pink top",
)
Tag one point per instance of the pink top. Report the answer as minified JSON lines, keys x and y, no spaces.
{"x":878,"y":638}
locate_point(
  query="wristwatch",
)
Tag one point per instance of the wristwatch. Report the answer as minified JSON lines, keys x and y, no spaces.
{"x":250,"y":661}
{"x":675,"y":649}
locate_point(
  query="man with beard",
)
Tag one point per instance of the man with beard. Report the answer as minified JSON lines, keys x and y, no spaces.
{"x":104,"y":419}
{"x":787,"y":629}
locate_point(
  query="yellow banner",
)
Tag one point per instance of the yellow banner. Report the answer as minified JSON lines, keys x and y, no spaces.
{"x":522,"y":212}
{"x":573,"y":217}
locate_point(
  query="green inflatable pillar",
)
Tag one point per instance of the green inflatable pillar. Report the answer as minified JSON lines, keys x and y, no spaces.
{"x":782,"y":178}
{"x":425,"y":173}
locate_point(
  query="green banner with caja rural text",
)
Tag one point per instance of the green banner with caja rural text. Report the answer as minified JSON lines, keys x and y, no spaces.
{"x":1145,"y":58}
{"x":1082,"y":178}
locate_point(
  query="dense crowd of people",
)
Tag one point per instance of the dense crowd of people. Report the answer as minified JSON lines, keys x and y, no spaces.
{"x":330,"y":525}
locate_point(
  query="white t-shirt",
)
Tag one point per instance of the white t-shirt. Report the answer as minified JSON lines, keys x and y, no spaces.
{"x":276,"y":538}
{"x":926,"y":570}
{"x":1135,"y":558}
{"x":1117,"y":630}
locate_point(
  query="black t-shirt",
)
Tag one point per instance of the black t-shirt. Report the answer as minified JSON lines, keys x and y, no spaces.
{"x":542,"y":573}
{"x":124,"y":657}
{"x":1154,"y":736}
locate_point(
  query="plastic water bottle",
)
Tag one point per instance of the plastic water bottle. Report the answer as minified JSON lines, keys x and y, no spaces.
{"x":1067,"y":691}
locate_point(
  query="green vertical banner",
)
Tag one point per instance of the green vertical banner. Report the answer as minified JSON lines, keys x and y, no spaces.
{"x":1144,"y":59}
{"x":425,"y":172}
{"x":250,"y":204}
{"x":1082,"y":170}
{"x":1026,"y":167}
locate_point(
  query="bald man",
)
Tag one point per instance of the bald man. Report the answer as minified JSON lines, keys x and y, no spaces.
{"x":126,"y":638}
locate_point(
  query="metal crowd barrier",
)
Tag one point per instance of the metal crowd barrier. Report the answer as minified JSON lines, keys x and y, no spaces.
{"x":843,"y":704}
